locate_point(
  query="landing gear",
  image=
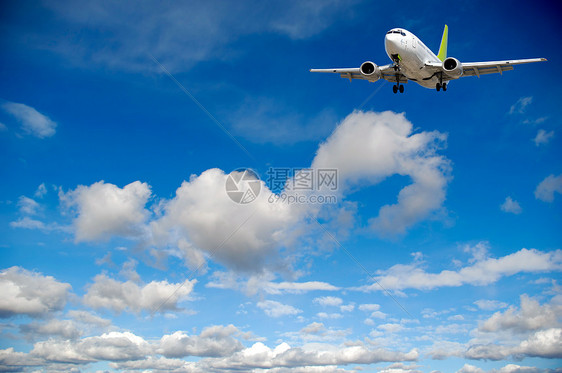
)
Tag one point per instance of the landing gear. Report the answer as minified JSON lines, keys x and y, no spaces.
{"x":438,"y":86}
{"x":398,"y":87}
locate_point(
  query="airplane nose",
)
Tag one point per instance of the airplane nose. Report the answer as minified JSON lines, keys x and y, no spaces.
{"x":390,"y":43}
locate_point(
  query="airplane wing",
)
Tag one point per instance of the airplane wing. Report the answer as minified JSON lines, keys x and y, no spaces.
{"x":387,"y":73}
{"x":482,"y":68}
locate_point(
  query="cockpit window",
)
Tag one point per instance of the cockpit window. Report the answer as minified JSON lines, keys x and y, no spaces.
{"x":397,"y":32}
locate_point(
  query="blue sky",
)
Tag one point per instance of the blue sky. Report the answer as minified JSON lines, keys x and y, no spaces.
{"x":121,"y":250}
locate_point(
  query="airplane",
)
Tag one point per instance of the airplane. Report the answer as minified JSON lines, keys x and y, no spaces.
{"x":412,"y":60}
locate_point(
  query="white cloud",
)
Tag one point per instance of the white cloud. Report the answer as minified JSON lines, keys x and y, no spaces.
{"x":156,"y":296}
{"x":201,"y":222}
{"x":41,"y":191}
{"x":482,"y":272}
{"x":13,"y":361}
{"x":32,"y":122}
{"x":328,"y":301}
{"x":531,"y":317}
{"x":391,"y":327}
{"x":113,"y":346}
{"x":244,"y":237}
{"x":263,"y":282}
{"x":369,"y":147}
{"x":66,"y":329}
{"x":104,"y":209}
{"x":546,"y":189}
{"x":369,"y":307}
{"x":29,"y":293}
{"x":260,"y":356}
{"x":467,"y":368}
{"x":276,"y":309}
{"x":511,"y":206}
{"x":544,"y":344}
{"x":3,"y":127}
{"x":543,"y":137}
{"x":490,"y":305}
{"x":214,"y":341}
{"x":28,"y":206}
{"x":152,"y":364}
{"x":29,"y":223}
{"x":324,"y":315}
{"x":317,"y":331}
{"x":521,"y":105}
{"x":88,"y":318}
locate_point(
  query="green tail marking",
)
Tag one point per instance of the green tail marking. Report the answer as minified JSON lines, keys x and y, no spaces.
{"x":443,"y":47}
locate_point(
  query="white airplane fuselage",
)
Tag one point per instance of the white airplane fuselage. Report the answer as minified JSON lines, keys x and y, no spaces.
{"x":413,"y":54}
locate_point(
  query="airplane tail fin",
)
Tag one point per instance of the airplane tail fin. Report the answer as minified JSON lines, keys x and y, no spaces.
{"x":443,"y":47}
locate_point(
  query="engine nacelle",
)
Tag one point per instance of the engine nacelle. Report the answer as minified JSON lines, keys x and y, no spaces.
{"x":453,"y":67}
{"x":370,"y":70}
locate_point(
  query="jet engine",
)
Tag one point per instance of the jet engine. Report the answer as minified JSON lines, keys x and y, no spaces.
{"x":370,"y":70}
{"x":453,"y":67}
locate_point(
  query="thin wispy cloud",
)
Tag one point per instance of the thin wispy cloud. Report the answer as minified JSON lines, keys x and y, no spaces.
{"x":31,"y":121}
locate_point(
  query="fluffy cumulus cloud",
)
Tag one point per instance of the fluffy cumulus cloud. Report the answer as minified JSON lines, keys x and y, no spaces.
{"x":113,"y":346}
{"x":530,"y":317}
{"x":217,"y":347}
{"x":202,"y":223}
{"x":242,"y":236}
{"x":531,"y":330}
{"x":156,"y":296}
{"x":32,"y":122}
{"x":483,"y":270}
{"x":546,"y":189}
{"x":511,"y":206}
{"x":259,"y":356}
{"x":214,"y":341}
{"x":66,"y":329}
{"x":104,"y":209}
{"x":368,"y":147}
{"x":29,"y":293}
{"x":544,"y":344}
{"x":509,"y":368}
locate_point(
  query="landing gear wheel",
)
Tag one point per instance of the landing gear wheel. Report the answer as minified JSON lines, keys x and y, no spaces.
{"x":394,"y":89}
{"x":438,"y":87}
{"x":401,"y":89}
{"x":444,"y":87}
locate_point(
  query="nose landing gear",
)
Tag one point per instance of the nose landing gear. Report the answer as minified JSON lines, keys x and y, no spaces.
{"x":398,"y":86}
